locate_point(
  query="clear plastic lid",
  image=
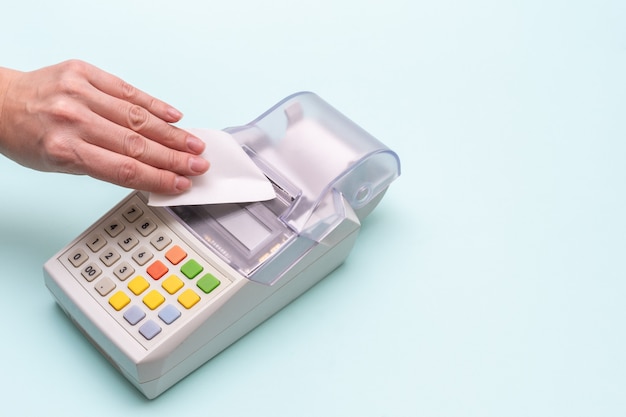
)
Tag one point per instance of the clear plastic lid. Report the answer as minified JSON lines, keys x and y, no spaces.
{"x":317,"y":160}
{"x":317,"y":155}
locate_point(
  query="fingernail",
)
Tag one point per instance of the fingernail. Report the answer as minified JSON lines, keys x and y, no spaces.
{"x":194,"y":144}
{"x":182,"y":183}
{"x":174,"y":114}
{"x":198,"y":165}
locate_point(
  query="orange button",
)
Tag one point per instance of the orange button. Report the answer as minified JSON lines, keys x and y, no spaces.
{"x":176,"y":254}
{"x":157,"y":270}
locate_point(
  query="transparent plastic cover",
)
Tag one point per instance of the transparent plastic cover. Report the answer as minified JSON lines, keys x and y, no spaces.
{"x":316,"y":152}
{"x":317,"y":160}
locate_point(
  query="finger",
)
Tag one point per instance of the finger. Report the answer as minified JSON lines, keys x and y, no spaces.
{"x":140,"y":120}
{"x":127,"y":172}
{"x":115,"y":138}
{"x":118,"y":88}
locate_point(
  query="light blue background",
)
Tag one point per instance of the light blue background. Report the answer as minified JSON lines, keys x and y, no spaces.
{"x":489,"y":282}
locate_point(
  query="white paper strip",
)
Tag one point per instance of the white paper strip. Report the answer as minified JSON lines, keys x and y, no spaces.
{"x":232,"y":177}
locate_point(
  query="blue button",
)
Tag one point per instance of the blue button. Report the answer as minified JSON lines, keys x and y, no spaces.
{"x":169,"y":313}
{"x":134,"y":315}
{"x":149,"y":329}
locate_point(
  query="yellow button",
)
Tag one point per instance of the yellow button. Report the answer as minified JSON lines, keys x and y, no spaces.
{"x":138,"y":285}
{"x":119,"y":300}
{"x":153,"y":299}
{"x":172,"y":284}
{"x":188,"y":298}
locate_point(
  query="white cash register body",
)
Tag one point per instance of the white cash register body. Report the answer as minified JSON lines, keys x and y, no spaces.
{"x":161,"y":290}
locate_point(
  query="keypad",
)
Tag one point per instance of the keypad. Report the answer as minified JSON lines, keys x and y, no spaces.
{"x":142,"y":273}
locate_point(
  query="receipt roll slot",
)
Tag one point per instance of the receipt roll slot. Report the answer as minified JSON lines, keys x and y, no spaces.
{"x":161,"y":290}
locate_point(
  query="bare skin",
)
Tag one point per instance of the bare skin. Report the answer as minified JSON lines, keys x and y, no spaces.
{"x":75,"y":118}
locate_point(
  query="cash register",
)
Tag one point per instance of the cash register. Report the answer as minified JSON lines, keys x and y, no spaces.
{"x":161,"y":290}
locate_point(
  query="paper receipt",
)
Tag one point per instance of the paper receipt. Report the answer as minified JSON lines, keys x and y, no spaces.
{"x":232,"y":177}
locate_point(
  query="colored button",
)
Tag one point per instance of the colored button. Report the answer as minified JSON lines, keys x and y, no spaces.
{"x":169,"y":313}
{"x":138,"y":285}
{"x":134,"y":315}
{"x":188,"y":299}
{"x":176,"y":254}
{"x":208,"y":283}
{"x":157,"y":270}
{"x":172,"y":284}
{"x":191,"y":268}
{"x":119,"y":300}
{"x":153,"y":299}
{"x":149,"y":329}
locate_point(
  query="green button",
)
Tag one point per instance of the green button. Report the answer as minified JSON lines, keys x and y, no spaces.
{"x":208,"y":283}
{"x":191,"y":268}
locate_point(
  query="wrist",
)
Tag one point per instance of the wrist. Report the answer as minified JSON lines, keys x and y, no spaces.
{"x":6,"y":77}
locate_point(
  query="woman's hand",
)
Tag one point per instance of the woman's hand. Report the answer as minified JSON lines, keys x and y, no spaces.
{"x":75,"y":118}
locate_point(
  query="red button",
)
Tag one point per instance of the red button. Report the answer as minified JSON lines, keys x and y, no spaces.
{"x":157,"y":270}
